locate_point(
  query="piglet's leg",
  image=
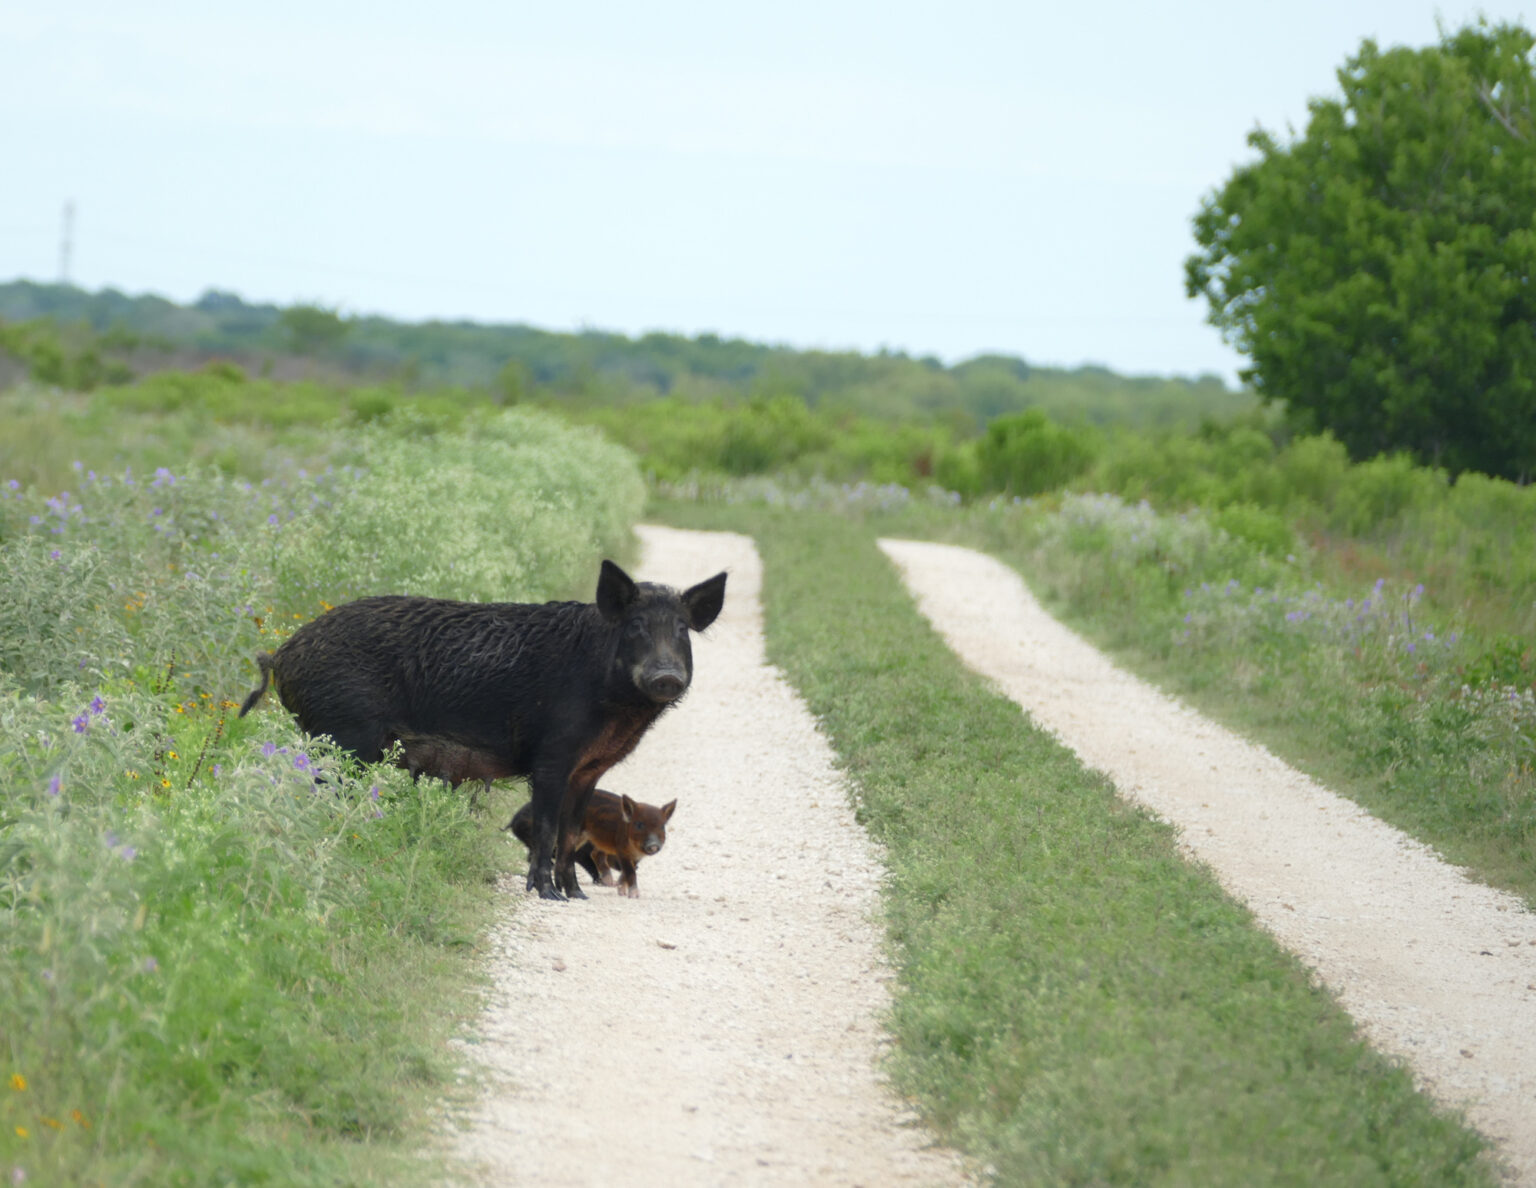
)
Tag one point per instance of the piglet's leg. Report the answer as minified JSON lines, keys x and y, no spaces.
{"x":590,"y":861}
{"x":629,"y":881}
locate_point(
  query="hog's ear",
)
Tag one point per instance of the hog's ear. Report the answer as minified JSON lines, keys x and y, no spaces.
{"x":703,"y":602}
{"x":626,"y":808}
{"x":615,"y":591}
{"x":667,"y":810}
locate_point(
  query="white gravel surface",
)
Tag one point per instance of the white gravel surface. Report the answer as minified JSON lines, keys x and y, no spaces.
{"x":725,"y":1027}
{"x":1436,"y":969}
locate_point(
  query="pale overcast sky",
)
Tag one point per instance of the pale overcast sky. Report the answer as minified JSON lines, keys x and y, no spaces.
{"x":947,"y":178}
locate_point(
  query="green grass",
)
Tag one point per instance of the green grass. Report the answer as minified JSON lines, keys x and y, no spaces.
{"x":1076,"y":1004}
{"x":216,"y":967}
{"x":1413,"y":711}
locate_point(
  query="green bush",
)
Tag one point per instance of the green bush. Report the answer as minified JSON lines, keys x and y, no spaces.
{"x":1382,"y":489}
{"x":1312,"y":471}
{"x":1265,"y":530}
{"x":1026,"y":453}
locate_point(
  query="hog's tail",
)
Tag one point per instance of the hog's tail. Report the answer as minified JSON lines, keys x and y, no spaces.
{"x":263,"y":662}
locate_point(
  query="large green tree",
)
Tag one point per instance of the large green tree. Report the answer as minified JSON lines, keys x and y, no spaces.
{"x":1378,"y":270}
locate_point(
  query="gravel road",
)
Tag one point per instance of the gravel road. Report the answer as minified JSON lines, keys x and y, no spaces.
{"x":1436,"y":969}
{"x":725,"y":1027}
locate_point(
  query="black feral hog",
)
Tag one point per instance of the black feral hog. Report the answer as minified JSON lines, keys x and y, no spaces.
{"x":615,"y":832}
{"x":558,"y":691}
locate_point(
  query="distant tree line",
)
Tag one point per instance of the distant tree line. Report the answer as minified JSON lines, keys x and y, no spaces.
{"x":594,"y":368}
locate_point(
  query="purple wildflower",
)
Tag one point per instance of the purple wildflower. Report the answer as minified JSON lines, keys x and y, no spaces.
{"x":55,"y":555}
{"x":301,"y":761}
{"x":269,"y":749}
{"x":56,"y":784}
{"x":150,"y":965}
{"x":272,"y":519}
{"x":81,"y":724}
{"x":97,"y":705}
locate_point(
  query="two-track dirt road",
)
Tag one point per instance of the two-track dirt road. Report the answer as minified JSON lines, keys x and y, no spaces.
{"x":724,"y":1028}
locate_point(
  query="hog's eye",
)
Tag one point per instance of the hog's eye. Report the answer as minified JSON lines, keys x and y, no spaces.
{"x":635,"y":628}
{"x":681,"y":629}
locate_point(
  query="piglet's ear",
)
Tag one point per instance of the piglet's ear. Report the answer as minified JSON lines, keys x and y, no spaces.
{"x":703,"y":602}
{"x":667,"y":810}
{"x":615,"y":591}
{"x":626,"y":808}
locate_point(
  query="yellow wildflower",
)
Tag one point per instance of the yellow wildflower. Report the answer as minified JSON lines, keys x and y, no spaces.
{"x":54,"y":1123}
{"x":23,"y":1132}
{"x":83,"y":1122}
{"x":18,"y":1081}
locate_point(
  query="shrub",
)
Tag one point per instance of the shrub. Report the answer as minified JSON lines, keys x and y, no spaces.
{"x":1377,"y":491}
{"x":1026,"y":453}
{"x":1266,"y":530}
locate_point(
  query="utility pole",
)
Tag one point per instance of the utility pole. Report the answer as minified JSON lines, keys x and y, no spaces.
{"x":67,"y":242}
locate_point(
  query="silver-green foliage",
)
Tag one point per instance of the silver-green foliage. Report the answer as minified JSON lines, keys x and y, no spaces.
{"x":509,"y":508}
{"x":201,"y":916}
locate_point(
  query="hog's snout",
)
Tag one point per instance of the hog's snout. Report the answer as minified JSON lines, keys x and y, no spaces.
{"x":652,"y":846}
{"x":665,"y":685}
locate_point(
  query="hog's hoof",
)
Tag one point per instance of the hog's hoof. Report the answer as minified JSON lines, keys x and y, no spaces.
{"x":545,"y":888}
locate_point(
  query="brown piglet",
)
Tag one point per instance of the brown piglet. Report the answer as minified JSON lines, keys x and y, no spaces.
{"x":616,"y":832}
